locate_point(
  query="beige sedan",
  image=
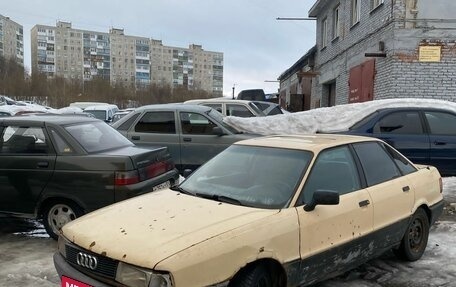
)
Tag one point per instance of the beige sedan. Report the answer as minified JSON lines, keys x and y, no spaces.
{"x":273,"y":211}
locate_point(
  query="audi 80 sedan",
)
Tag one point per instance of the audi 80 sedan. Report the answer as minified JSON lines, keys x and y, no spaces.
{"x":272,"y":211}
{"x":60,"y":167}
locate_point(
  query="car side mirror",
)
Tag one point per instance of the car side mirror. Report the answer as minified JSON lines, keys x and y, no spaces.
{"x":187,"y":172}
{"x":323,"y":197}
{"x":217,"y":131}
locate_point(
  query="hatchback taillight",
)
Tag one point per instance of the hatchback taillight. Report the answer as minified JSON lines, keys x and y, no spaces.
{"x":126,"y":177}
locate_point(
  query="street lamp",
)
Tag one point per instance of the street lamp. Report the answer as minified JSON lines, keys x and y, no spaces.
{"x":233,"y":90}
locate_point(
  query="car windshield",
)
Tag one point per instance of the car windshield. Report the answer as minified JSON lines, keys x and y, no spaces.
{"x":101,"y":115}
{"x":260,"y":177}
{"x":218,"y":117}
{"x":97,"y":136}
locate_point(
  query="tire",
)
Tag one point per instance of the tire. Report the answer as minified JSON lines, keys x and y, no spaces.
{"x":253,"y":276}
{"x":415,"y":238}
{"x":57,"y":213}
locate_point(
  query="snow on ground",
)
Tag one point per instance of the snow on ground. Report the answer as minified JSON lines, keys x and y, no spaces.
{"x":330,"y":119}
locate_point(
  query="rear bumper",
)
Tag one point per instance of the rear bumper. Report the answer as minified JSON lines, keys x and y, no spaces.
{"x":65,"y":269}
{"x":128,"y":191}
{"x":436,"y":211}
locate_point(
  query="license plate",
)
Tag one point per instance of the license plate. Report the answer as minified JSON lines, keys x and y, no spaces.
{"x":68,"y":282}
{"x":166,"y":184}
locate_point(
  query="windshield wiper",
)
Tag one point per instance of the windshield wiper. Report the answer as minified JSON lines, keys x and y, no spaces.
{"x":221,"y":198}
{"x":181,"y":190}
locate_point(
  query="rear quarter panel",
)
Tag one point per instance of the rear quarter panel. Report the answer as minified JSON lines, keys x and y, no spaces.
{"x":425,"y":183}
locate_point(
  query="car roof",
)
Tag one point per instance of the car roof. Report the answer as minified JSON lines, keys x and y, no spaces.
{"x":100,"y":107}
{"x":314,"y":142}
{"x":45,"y":118}
{"x":175,"y":106}
{"x":217,"y":100}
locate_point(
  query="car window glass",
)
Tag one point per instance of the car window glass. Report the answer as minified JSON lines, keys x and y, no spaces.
{"x":24,"y":140}
{"x":126,"y":125}
{"x":60,"y":144}
{"x":363,"y":121}
{"x":275,"y":111}
{"x":377,"y":164}
{"x":238,"y":111}
{"x":97,"y":136}
{"x":157,"y":122}
{"x":402,"y":163}
{"x":217,"y":107}
{"x":334,"y":170}
{"x":400,"y":123}
{"x":441,"y":123}
{"x":196,"y":124}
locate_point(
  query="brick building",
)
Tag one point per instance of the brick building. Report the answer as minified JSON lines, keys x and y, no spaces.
{"x":377,"y":49}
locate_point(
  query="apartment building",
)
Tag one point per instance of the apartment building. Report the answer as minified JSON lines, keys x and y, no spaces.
{"x":377,"y":49}
{"x":11,"y":40}
{"x":119,"y":58}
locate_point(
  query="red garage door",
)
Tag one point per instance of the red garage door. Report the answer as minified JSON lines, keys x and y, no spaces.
{"x":361,"y":82}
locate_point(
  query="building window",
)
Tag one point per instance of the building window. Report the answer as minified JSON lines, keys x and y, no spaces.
{"x":324,"y":33}
{"x":336,"y":23}
{"x":356,"y":11}
{"x":376,"y":3}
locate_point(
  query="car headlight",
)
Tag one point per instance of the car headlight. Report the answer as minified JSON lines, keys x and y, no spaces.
{"x":137,"y":277}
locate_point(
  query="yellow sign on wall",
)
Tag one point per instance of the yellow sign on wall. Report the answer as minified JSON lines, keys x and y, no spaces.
{"x":430,"y":53}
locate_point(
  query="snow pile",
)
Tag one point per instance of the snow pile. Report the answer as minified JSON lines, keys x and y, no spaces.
{"x":330,"y":119}
{"x":13,"y":109}
{"x":69,"y":110}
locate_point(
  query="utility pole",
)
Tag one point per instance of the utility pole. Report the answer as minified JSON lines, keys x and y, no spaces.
{"x":233,"y":90}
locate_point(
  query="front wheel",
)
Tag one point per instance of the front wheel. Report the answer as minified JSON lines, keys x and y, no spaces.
{"x":254,"y":276}
{"x":57,"y":214}
{"x":415,"y":238}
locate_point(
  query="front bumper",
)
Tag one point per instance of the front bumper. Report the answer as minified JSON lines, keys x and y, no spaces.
{"x":65,"y":269}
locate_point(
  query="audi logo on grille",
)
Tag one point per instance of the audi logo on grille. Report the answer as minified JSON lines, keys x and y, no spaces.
{"x":87,"y":261}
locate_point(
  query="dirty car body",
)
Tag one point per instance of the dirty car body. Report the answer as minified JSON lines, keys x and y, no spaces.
{"x":60,"y":167}
{"x":327,"y":204}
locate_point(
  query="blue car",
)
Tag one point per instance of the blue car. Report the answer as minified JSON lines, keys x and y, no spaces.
{"x":425,"y":135}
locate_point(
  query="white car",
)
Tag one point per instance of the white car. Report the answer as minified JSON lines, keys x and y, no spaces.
{"x":228,"y":107}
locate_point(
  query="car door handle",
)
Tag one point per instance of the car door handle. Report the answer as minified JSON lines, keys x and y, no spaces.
{"x":364,"y":203}
{"x":406,"y":189}
{"x":136,"y":138}
{"x":187,"y":139}
{"x":42,"y":164}
{"x":439,"y":143}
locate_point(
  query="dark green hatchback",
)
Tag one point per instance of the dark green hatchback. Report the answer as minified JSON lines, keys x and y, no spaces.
{"x":60,"y":167}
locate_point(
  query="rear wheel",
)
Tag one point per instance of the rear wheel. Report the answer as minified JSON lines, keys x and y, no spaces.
{"x":415,"y":239}
{"x":253,"y":276}
{"x":56,"y":214}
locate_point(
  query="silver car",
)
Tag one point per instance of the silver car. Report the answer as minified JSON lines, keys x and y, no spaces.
{"x":193,"y":134}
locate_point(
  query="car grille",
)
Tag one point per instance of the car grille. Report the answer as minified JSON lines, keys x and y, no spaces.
{"x":106,"y":267}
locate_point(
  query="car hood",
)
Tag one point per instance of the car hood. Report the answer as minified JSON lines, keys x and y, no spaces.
{"x":148,"y":229}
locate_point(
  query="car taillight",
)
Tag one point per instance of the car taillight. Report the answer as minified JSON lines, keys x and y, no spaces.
{"x":126,"y":177}
{"x":441,"y":185}
{"x":155,"y":169}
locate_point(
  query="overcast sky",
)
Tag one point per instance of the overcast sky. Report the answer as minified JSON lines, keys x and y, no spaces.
{"x":256,"y":47}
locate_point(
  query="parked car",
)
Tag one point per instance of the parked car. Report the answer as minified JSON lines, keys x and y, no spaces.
{"x":58,"y":168}
{"x":102,"y":112}
{"x":83,"y":105}
{"x":229,"y":107}
{"x":120,"y":114}
{"x":268,"y":108}
{"x":252,"y":95}
{"x":193,"y":134}
{"x":424,"y":135}
{"x":276,"y":211}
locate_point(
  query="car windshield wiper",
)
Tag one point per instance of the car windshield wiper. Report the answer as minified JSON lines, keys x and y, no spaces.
{"x":221,"y":198}
{"x":181,"y":190}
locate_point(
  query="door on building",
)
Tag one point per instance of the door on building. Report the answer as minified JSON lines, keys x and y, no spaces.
{"x":329,"y":93}
{"x":361,"y":82}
